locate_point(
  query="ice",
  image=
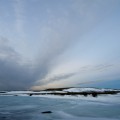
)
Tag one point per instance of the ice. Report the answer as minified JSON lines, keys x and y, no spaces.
{"x":104,"y":99}
{"x":66,"y":116}
{"x":104,"y":107}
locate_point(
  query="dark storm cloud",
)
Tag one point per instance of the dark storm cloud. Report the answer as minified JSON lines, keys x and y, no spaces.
{"x":17,"y":75}
{"x":13,"y":74}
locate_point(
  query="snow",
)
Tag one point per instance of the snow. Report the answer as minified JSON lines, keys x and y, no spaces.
{"x":18,"y":92}
{"x":24,"y":92}
{"x":86,"y":90}
{"x":38,"y":94}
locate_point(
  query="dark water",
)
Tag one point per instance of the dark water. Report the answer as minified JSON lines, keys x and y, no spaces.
{"x":30,"y":108}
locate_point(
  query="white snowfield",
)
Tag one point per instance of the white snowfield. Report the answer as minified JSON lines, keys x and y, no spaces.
{"x":86,"y":90}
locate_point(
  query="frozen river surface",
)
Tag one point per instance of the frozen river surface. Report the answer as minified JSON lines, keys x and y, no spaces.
{"x":63,"y":108}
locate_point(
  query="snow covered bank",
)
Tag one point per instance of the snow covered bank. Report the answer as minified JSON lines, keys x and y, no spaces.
{"x":71,"y":92}
{"x":87,"y":90}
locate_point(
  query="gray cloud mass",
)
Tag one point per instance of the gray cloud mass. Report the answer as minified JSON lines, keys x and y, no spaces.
{"x":58,"y":36}
{"x":13,"y":74}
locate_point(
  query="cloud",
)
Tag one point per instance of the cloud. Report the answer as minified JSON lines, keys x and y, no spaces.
{"x":58,"y":77}
{"x":64,"y":31}
{"x":59,"y":33}
{"x":14,"y":75}
{"x":84,"y":75}
{"x":19,"y":14}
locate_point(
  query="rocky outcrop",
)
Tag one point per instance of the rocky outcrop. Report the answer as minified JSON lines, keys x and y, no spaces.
{"x":46,"y":112}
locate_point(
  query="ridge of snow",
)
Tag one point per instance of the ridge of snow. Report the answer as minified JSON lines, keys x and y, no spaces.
{"x":87,"y":90}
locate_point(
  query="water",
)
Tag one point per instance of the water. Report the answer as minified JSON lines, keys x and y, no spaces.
{"x":30,"y":108}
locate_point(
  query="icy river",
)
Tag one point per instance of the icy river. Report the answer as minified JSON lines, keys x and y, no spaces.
{"x":105,"y":107}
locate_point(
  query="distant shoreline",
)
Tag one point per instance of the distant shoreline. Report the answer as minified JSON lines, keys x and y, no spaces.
{"x":94,"y":92}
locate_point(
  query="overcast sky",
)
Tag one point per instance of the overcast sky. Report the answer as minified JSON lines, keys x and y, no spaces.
{"x":59,"y":43}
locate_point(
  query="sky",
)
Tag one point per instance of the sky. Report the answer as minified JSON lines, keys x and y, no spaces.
{"x":59,"y":43}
